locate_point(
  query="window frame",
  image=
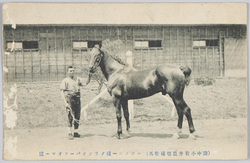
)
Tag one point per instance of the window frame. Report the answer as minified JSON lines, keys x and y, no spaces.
{"x":21,"y":47}
{"x":80,"y":47}
{"x":11,"y":44}
{"x":205,"y":43}
{"x":36,"y":48}
{"x":87,"y":44}
{"x":145,"y":44}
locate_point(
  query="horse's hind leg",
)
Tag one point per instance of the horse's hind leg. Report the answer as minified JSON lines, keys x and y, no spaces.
{"x":180,"y":119}
{"x":124,"y":104}
{"x":183,"y":108}
{"x":187,"y":112}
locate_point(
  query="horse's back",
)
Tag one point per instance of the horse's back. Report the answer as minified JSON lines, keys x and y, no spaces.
{"x":133,"y":84}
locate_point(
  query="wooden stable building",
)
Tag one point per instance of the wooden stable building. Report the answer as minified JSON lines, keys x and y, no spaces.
{"x":42,"y":52}
{"x":38,"y":45}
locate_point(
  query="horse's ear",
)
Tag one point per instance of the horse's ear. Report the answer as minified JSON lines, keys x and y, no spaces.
{"x":97,"y":46}
{"x":102,"y":53}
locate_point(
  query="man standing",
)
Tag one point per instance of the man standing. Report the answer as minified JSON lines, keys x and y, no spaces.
{"x":70,"y":91}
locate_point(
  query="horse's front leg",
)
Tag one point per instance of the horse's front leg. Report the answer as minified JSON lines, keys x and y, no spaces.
{"x":124,"y":104}
{"x":117,"y":104}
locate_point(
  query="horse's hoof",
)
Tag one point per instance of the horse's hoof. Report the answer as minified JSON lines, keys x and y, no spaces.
{"x":126,"y":135}
{"x":119,"y":133}
{"x":192,"y":137}
{"x":176,"y":136}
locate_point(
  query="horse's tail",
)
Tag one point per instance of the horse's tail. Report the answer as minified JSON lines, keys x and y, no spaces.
{"x":187,"y":72}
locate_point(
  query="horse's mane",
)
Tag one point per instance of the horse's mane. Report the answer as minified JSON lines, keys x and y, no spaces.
{"x":115,"y":57}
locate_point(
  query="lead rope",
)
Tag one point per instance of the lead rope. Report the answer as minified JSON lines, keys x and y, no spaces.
{"x":71,"y":113}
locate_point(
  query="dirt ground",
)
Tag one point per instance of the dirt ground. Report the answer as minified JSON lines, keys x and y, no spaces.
{"x":219,"y":112}
{"x":213,"y":136}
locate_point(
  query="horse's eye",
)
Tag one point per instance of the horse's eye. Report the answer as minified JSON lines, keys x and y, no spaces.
{"x":97,"y":59}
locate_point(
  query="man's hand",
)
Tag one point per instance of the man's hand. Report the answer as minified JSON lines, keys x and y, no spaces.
{"x":80,"y":81}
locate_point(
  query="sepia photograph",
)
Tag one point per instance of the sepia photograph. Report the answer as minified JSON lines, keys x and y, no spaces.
{"x":124,"y":81}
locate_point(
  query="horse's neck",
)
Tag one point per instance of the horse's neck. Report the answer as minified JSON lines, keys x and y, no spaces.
{"x":109,"y":65}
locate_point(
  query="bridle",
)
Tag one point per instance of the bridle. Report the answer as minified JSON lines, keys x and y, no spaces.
{"x":97,"y":60}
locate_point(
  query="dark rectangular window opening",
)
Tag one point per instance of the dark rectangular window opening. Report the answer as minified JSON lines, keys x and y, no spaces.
{"x":212,"y":42}
{"x":30,"y":44}
{"x":155,"y":43}
{"x":91,"y":44}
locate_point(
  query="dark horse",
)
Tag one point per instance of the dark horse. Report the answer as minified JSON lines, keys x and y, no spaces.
{"x":125,"y":82}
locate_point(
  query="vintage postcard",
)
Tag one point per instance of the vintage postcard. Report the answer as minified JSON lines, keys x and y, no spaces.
{"x":124,"y":81}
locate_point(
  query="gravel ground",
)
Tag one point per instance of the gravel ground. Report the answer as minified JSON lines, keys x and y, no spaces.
{"x":219,"y":112}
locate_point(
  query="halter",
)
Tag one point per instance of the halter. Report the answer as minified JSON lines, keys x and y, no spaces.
{"x":97,"y":59}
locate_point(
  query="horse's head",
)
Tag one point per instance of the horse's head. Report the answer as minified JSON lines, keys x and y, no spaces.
{"x":95,"y":58}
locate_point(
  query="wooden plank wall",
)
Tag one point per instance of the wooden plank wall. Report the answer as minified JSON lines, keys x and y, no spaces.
{"x":235,"y":56}
{"x":56,"y":53}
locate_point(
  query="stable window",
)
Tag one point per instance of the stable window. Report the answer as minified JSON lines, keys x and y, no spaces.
{"x":147,"y":44}
{"x":80,"y":45}
{"x":199,"y":43}
{"x":30,"y":44}
{"x":85,"y":44}
{"x":24,"y":45}
{"x":212,"y":42}
{"x":156,"y":43}
{"x":14,"y":45}
{"x":91,"y":44}
{"x":205,"y":43}
{"x":141,"y":44}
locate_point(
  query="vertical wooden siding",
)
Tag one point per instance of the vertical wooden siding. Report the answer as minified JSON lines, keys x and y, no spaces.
{"x":55,"y":48}
{"x":235,"y":56}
